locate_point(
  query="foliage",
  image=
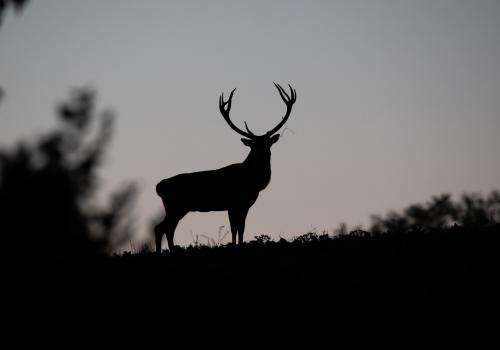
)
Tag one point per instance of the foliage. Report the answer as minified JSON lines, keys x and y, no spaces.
{"x":262,"y":239}
{"x":442,"y":211}
{"x":368,"y":288}
{"x":48,"y":187}
{"x":17,"y":5}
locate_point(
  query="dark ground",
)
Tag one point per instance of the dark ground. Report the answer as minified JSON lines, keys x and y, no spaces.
{"x":407,"y":289}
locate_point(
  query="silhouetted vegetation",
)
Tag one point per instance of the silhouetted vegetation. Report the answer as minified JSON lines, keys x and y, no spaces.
{"x":48,"y":186}
{"x":441,"y":211}
{"x":17,"y":5}
{"x":416,"y":285}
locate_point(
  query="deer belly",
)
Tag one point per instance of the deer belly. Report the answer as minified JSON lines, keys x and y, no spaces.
{"x":220,"y":201}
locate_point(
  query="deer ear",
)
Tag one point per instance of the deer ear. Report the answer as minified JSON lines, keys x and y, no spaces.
{"x":246,"y":142}
{"x":275,"y":138}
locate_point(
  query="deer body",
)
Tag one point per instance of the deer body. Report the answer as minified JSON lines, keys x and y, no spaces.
{"x":235,"y":185}
{"x":233,"y":188}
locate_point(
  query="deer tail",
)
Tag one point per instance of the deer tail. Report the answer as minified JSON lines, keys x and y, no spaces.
{"x":159,"y":188}
{"x":162,"y":188}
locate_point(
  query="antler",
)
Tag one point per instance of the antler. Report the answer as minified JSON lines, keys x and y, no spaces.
{"x":225,"y":113}
{"x":289,"y":101}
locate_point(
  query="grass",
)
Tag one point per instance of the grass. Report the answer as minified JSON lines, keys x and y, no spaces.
{"x":445,"y":277}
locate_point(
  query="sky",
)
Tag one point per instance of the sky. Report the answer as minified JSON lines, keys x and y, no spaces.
{"x":396,"y":100}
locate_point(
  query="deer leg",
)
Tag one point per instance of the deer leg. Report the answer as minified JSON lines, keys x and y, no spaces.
{"x":170,"y":225}
{"x":159,"y":231}
{"x":233,"y":223}
{"x":242,"y":217}
{"x":241,"y":230}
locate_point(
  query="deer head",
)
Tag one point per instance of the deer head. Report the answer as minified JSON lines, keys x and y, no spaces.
{"x":259,"y":143}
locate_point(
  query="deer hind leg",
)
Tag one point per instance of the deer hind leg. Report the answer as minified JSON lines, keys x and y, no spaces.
{"x":170,"y":225}
{"x":159,"y":232}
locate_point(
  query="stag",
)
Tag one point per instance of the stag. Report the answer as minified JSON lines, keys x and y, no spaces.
{"x":233,"y":188}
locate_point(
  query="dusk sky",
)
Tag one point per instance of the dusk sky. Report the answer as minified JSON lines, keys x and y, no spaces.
{"x":396,"y":100}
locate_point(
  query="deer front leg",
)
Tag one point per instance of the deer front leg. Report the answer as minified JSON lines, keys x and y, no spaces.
{"x":241,"y":225}
{"x":237,"y":218}
{"x":233,"y":223}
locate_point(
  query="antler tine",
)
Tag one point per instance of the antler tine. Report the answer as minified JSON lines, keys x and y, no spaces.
{"x":289,"y":101}
{"x":225,"y":113}
{"x":293,"y":93}
{"x":248,"y":130}
{"x":282,"y":92}
{"x":222,"y":103}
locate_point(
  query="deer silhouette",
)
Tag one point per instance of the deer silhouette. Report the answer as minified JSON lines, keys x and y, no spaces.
{"x":233,"y":188}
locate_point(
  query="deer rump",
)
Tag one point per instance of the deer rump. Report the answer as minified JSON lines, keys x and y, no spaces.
{"x":213,"y":190}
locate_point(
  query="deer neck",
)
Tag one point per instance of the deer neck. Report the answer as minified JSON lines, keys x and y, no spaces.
{"x":258,"y":167}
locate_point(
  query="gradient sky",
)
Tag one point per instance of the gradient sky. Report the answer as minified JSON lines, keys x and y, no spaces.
{"x":397,"y":100}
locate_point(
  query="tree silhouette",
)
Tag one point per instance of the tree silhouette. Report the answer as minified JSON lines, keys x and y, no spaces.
{"x":17,"y":5}
{"x":47,"y":188}
{"x":441,"y":211}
